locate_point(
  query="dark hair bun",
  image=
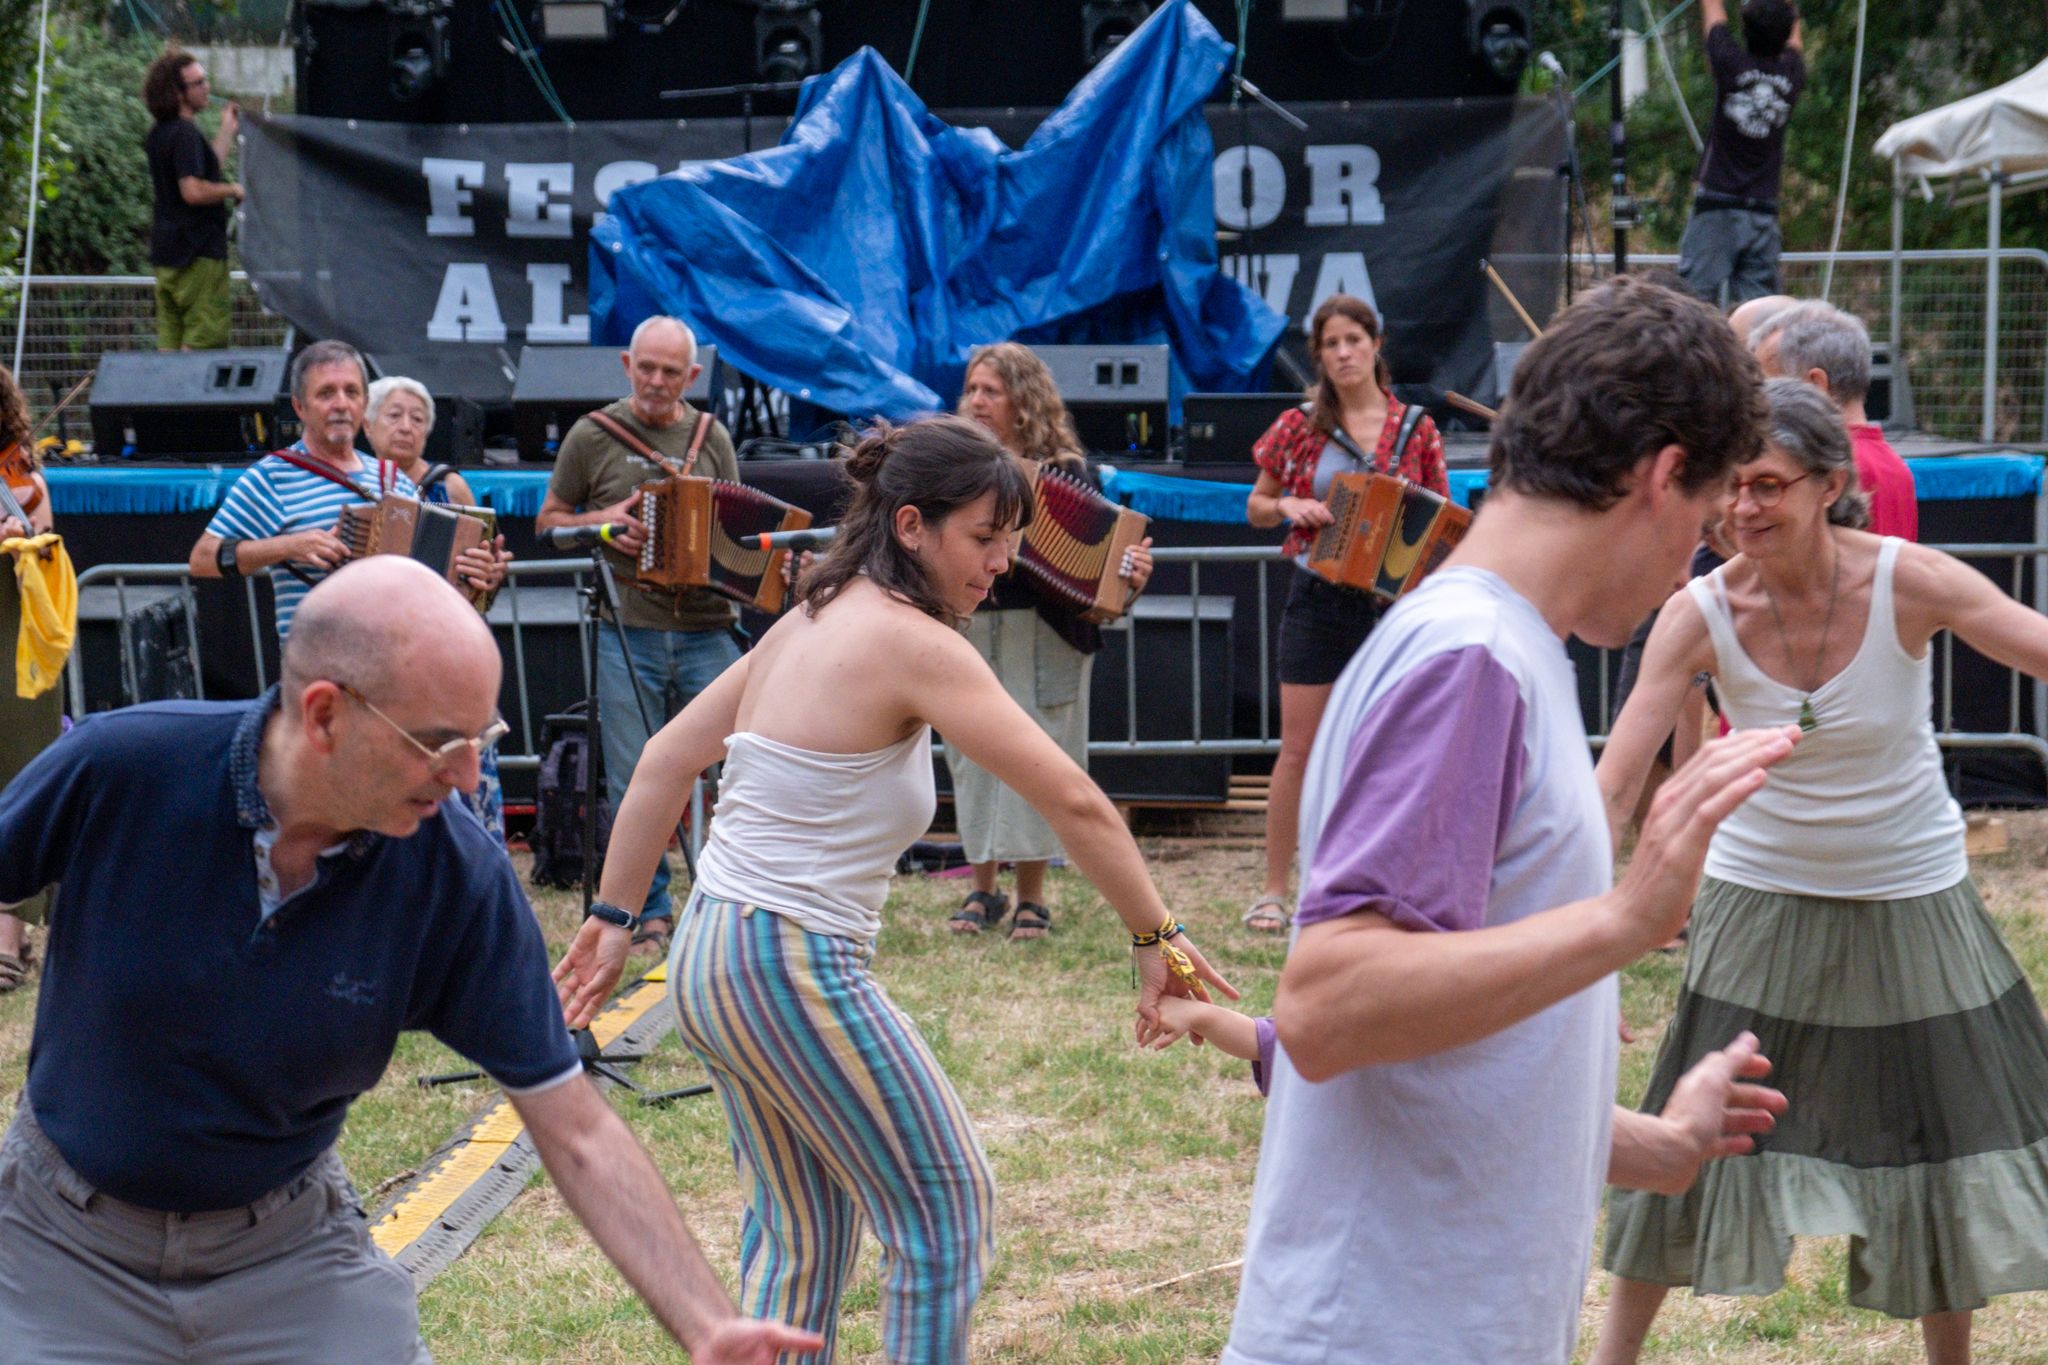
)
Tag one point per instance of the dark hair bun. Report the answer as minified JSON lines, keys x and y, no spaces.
{"x":864,"y":461}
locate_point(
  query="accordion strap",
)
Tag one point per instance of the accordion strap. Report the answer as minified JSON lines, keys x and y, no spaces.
{"x":332,"y":475}
{"x":1410,"y":419}
{"x":624,"y":435}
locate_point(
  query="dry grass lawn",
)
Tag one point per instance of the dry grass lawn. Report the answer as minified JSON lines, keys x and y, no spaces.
{"x":1117,"y":1170}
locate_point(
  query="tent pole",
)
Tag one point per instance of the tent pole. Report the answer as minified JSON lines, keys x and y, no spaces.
{"x":1987,"y":427}
{"x":1898,"y":246}
{"x":35,"y":166}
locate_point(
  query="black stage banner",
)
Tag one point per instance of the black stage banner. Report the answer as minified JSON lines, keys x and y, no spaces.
{"x":449,"y":247}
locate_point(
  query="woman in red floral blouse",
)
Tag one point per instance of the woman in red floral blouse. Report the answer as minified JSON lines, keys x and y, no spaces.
{"x":1348,"y":424}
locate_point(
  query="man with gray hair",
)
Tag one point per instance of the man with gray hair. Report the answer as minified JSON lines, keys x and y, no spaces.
{"x":676,"y":641}
{"x":282,"y":512}
{"x":1830,"y":349}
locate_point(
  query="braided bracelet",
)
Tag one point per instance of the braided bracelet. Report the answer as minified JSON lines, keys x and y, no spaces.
{"x":1168,"y":928}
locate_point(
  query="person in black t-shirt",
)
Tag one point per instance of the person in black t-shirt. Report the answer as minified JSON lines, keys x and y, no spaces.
{"x":188,"y":233}
{"x":1732,"y":242}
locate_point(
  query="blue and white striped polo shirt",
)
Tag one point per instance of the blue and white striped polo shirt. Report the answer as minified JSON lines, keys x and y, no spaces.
{"x":276,"y":498}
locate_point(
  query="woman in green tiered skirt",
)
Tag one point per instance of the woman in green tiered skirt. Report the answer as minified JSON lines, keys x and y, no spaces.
{"x":1837,"y":920}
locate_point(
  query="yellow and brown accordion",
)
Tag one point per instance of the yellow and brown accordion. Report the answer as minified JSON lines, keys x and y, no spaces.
{"x":432,"y":533}
{"x":705,"y":533}
{"x":1387,"y":534}
{"x":1074,"y":546}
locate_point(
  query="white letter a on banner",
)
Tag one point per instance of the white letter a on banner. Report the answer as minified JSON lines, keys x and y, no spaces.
{"x":468,"y":307}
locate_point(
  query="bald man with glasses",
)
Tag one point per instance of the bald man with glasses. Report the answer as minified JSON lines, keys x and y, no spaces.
{"x":258,"y":897}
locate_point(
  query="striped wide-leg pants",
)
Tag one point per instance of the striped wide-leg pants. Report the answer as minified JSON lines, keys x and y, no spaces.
{"x":838,"y":1112}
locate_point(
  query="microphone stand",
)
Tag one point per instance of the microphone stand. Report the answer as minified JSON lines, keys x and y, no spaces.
{"x":1254,"y":273}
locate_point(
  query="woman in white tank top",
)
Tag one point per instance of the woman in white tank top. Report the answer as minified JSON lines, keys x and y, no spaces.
{"x":839,"y":1114}
{"x":1837,"y":920}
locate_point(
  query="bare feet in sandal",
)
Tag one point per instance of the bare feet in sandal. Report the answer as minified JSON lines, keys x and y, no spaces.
{"x":1268,"y":915}
{"x":1032,"y":921}
{"x":979,"y":911}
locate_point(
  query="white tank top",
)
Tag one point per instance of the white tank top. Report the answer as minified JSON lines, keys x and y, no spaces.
{"x":1860,"y":809}
{"x":815,"y":836}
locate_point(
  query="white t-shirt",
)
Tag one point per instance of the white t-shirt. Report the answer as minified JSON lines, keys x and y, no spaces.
{"x":1442,"y":1210}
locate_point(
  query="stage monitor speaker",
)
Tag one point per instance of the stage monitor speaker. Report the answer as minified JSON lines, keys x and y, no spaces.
{"x":1890,"y":400}
{"x":190,"y":405}
{"x":1117,"y":395}
{"x":459,"y":396}
{"x":558,"y":384}
{"x":1223,"y":427}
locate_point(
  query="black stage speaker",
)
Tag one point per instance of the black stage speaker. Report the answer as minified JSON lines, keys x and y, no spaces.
{"x":1165,"y":632}
{"x":459,"y":397}
{"x":1223,"y":427}
{"x":558,"y":384}
{"x":1116,"y":393}
{"x":135,"y":645}
{"x":1890,"y":400}
{"x":203,"y":405}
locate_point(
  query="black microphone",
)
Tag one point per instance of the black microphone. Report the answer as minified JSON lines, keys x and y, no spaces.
{"x":797,"y":541}
{"x":582,"y":537}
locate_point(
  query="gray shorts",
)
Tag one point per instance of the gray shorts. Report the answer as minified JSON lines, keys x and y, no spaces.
{"x":1732,"y":248}
{"x":89,"y":1279}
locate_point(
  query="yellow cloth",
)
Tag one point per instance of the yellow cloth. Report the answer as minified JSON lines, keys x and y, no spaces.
{"x":49,"y":611}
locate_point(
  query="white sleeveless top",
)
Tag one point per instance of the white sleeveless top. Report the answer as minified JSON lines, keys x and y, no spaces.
{"x":1860,"y":809}
{"x":815,"y":836}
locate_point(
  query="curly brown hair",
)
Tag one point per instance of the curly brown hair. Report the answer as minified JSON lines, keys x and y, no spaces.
{"x":1045,"y":430}
{"x":163,"y":85}
{"x":1631,"y":367}
{"x":1325,"y":410}
{"x":14,"y":423}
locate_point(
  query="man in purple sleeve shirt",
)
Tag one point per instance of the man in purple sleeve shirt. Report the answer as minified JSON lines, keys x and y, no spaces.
{"x":1441,"y":1116}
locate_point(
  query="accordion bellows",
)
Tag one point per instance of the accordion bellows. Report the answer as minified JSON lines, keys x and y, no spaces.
{"x":705,"y":533}
{"x":432,"y":533}
{"x":1386,"y":534}
{"x":1074,"y":546}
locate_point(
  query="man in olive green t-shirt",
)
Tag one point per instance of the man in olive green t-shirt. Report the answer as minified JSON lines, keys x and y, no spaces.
{"x":678,"y":641}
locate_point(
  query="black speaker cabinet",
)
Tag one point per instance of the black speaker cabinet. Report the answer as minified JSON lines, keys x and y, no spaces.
{"x":558,"y":384}
{"x":1890,"y":400}
{"x":459,"y":391}
{"x":203,"y":405}
{"x":1223,"y":427}
{"x":135,"y":645}
{"x":1176,"y":640}
{"x":1116,"y":393}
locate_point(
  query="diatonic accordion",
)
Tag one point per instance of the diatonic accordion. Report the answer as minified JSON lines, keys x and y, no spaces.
{"x":705,"y":533}
{"x":1386,"y":534}
{"x":1074,"y":545}
{"x":432,"y":533}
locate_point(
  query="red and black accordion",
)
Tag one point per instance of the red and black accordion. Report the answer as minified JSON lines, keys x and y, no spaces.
{"x":432,"y":533}
{"x":1386,"y":534}
{"x":706,"y":533}
{"x":1074,"y":546}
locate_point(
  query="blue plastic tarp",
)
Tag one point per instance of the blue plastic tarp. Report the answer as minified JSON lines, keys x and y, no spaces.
{"x":858,"y":263}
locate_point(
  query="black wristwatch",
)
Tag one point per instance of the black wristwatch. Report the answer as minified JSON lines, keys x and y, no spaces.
{"x":611,"y":914}
{"x":224,"y":557}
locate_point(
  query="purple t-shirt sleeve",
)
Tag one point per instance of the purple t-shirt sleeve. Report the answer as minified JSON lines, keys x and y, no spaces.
{"x":1262,"y":1065}
{"x":1430,"y":780}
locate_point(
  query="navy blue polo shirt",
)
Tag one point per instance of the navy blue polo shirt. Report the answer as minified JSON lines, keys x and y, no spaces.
{"x":190,"y":1055}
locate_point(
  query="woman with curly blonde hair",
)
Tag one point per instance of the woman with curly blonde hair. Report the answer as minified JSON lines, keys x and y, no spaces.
{"x":1041,"y":649}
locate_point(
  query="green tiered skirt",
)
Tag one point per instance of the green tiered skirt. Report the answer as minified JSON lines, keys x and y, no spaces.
{"x":1916,"y":1062}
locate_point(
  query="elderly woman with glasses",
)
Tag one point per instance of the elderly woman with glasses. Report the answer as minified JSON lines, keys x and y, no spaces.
{"x":398,"y":418}
{"x":1837,"y":921}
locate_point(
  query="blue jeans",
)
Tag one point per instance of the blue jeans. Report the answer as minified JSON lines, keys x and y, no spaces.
{"x":672,"y":666}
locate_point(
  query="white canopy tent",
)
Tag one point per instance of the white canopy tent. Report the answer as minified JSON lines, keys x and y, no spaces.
{"x":1999,"y":134}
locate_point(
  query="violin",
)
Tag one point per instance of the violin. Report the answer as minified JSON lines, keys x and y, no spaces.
{"x":18,"y":477}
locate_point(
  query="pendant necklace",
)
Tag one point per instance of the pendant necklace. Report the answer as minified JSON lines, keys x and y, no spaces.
{"x":1808,"y":721}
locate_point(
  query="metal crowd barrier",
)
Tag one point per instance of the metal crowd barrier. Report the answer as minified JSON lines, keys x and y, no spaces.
{"x":120,"y":584}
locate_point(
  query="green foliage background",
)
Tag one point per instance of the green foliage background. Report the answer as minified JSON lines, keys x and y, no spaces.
{"x":1918,"y":55}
